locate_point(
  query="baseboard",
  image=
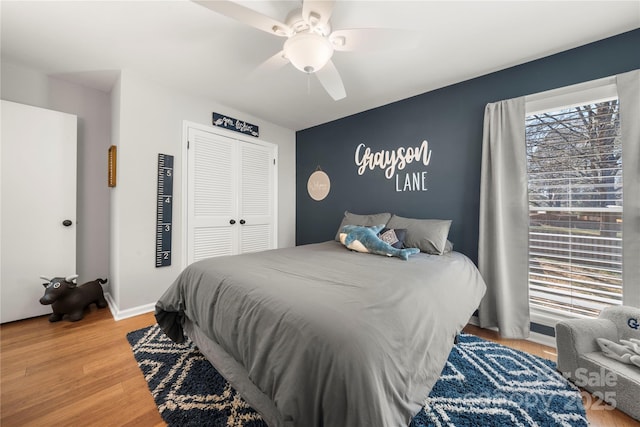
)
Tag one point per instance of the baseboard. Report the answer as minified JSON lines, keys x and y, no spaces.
{"x":533,"y":336}
{"x":542,"y":339}
{"x":130,"y":312}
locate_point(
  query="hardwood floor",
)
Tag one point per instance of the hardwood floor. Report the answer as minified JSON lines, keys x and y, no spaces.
{"x":84,"y":374}
{"x":79,"y":374}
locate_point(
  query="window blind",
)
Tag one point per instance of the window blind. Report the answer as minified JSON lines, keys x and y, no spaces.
{"x":575,"y":208}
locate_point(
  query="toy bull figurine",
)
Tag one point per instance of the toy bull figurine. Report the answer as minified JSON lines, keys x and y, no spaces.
{"x":66,"y":297}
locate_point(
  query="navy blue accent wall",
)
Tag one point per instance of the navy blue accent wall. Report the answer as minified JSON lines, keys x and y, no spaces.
{"x":451,"y":120}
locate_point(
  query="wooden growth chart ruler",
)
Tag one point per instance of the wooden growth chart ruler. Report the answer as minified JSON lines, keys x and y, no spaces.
{"x":164,"y":218}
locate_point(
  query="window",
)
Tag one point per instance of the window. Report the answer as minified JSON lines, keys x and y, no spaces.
{"x":575,"y":194}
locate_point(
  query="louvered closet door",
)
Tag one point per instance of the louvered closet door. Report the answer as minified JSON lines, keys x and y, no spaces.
{"x":256,"y":197}
{"x":212,"y":196}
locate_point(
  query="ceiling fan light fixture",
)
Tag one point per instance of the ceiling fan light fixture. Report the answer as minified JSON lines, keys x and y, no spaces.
{"x":308,"y":52}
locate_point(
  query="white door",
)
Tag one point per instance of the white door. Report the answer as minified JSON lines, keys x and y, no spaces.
{"x":256,"y":198}
{"x":38,"y":193}
{"x":212,"y":196}
{"x":230,"y":195}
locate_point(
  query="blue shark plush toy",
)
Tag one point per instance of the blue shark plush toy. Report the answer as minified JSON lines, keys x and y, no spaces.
{"x":365,"y":239}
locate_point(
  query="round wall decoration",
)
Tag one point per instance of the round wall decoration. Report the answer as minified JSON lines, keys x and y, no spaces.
{"x":318,"y":185}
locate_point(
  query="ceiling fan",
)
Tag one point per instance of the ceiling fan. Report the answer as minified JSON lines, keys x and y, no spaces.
{"x":310,"y":41}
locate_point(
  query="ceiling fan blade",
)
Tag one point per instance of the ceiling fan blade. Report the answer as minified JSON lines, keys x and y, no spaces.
{"x":247,"y":16}
{"x":331,"y":81}
{"x":274,"y":63}
{"x":370,"y":39}
{"x":321,"y":8}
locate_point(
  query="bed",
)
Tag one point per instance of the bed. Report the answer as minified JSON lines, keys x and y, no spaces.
{"x":317,"y":335}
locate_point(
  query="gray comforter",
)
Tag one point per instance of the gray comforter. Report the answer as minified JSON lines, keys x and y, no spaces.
{"x":333,"y":337}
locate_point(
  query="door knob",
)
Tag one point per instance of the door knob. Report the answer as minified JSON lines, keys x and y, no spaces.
{"x":233,"y":221}
{"x":67,"y":222}
{"x":242,"y":221}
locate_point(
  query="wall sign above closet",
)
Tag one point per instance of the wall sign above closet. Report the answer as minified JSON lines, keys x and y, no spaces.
{"x":235,"y":125}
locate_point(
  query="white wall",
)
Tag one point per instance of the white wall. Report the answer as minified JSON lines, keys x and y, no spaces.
{"x":150,"y":120}
{"x":24,"y":85}
{"x":114,"y":221}
{"x":28,"y":86}
{"x":94,"y":129}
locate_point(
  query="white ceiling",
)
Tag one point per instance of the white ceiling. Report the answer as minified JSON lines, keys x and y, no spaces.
{"x":186,"y":46}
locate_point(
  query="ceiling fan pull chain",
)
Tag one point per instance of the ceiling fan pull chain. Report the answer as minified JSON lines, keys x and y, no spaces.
{"x":309,"y":84}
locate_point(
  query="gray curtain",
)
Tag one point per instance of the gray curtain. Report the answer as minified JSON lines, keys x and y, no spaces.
{"x":628,"y":86}
{"x":503,"y":244}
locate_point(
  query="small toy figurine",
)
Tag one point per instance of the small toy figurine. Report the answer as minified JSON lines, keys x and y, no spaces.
{"x":66,"y":297}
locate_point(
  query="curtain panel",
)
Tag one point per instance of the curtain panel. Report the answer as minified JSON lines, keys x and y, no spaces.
{"x":504,"y":212}
{"x":503,"y":243}
{"x":628,"y":87}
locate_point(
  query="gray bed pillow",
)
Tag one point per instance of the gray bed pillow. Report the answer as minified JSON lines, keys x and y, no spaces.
{"x":364,"y":220}
{"x":429,"y":235}
{"x":448,"y":247}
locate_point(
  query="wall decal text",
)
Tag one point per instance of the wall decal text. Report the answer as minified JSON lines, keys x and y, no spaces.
{"x":391,"y":161}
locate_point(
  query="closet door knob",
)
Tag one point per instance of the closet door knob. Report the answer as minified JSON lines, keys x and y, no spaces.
{"x":242,"y":221}
{"x":233,"y":221}
{"x":67,"y":222}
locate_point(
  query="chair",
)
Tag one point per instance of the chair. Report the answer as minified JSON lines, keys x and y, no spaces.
{"x":582,"y":362}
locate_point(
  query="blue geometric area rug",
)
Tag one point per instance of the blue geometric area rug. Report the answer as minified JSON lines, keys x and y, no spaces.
{"x":487,"y":384}
{"x":482,"y":384}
